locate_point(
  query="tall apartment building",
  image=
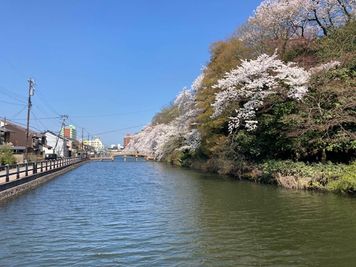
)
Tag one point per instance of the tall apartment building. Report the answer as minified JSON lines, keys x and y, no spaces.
{"x":69,"y":132}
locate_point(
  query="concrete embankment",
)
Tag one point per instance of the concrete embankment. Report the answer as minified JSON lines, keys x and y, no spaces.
{"x":16,"y":187}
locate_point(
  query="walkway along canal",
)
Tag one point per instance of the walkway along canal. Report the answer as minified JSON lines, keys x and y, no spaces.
{"x":144,"y":213}
{"x":15,"y":179}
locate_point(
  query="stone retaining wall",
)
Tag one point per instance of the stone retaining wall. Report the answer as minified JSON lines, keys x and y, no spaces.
{"x":14,"y":188}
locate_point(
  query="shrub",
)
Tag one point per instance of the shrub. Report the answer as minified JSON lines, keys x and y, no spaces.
{"x":6,"y":156}
{"x":346,"y":183}
{"x":339,"y":45}
{"x":333,"y":177}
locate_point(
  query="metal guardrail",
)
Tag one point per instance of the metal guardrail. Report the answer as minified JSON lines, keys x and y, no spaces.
{"x":19,"y":171}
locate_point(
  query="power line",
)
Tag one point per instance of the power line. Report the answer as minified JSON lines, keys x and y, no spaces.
{"x":17,"y":70}
{"x":43,"y":118}
{"x":112,"y":114}
{"x":18,"y":113}
{"x":39,"y":121}
{"x":24,"y":125}
{"x":12,"y":95}
{"x":83,"y":129}
{"x":12,"y":103}
{"x":119,"y":130}
{"x":46,"y":104}
{"x":42,"y":110}
{"x":50,"y":108}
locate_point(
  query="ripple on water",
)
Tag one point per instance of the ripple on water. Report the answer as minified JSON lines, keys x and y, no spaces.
{"x":150,"y":214}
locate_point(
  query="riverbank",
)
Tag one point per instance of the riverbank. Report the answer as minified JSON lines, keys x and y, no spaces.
{"x":329,"y":177}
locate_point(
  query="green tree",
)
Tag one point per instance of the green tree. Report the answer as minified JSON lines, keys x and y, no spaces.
{"x":225,"y":55}
{"x":6,"y":156}
{"x":325,"y":122}
{"x":166,"y":115}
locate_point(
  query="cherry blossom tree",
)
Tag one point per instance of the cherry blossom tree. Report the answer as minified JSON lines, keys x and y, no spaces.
{"x":288,"y":19}
{"x":251,"y":82}
{"x":280,"y":19}
{"x":328,"y":14}
{"x":198,"y":82}
{"x":153,"y":139}
{"x":325,"y":67}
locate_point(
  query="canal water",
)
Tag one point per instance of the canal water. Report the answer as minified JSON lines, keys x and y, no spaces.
{"x":150,"y":214}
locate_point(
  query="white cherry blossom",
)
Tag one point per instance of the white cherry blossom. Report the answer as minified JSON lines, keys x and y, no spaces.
{"x":152,"y":140}
{"x":251,"y":82}
{"x":325,"y":67}
{"x":288,"y":19}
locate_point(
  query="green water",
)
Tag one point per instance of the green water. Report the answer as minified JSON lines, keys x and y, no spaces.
{"x":150,"y":214}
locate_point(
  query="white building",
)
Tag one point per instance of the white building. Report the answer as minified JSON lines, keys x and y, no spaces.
{"x":95,"y":143}
{"x":116,"y":147}
{"x":61,"y":149}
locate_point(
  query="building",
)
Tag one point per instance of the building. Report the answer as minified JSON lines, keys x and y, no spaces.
{"x":127,"y":139}
{"x":69,"y":132}
{"x":4,"y":135}
{"x":56,"y":145}
{"x":15,"y":136}
{"x":116,"y":147}
{"x":75,"y":148}
{"x":95,"y":143}
{"x":88,"y":150}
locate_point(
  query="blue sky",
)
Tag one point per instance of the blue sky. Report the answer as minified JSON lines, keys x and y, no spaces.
{"x":109,"y":65}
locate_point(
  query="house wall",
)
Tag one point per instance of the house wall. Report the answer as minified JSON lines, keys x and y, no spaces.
{"x":19,"y":158}
{"x":17,"y":137}
{"x":60,"y":149}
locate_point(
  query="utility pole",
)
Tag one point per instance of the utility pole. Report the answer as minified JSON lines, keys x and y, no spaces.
{"x":89,"y":144}
{"x":63,"y":117}
{"x":82,"y":140}
{"x":31,"y":91}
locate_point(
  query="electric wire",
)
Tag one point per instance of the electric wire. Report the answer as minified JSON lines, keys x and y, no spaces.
{"x":38,"y":120}
{"x":17,"y":70}
{"x":120,"y":130}
{"x":79,"y":126}
{"x":46,"y":103}
{"x":41,"y":118}
{"x":18,"y":113}
{"x":24,"y":125}
{"x":113,"y":114}
{"x":53,"y":110}
{"x":11,"y":103}
{"x":12,"y":95}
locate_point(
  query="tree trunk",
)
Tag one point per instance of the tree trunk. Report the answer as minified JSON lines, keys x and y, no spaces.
{"x":323,"y":156}
{"x":317,"y":20}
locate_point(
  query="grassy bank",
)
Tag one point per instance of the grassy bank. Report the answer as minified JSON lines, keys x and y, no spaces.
{"x":332,"y":177}
{"x":340,"y":178}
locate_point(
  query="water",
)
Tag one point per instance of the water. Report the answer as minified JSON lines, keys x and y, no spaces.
{"x":150,"y":214}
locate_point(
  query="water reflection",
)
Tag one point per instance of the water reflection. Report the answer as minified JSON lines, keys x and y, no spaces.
{"x":145,"y":213}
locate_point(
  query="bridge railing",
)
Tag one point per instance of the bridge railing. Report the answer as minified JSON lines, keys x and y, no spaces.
{"x":17,"y":171}
{"x":132,"y":154}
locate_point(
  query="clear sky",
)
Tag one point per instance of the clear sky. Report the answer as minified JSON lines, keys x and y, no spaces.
{"x":108,"y":64}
